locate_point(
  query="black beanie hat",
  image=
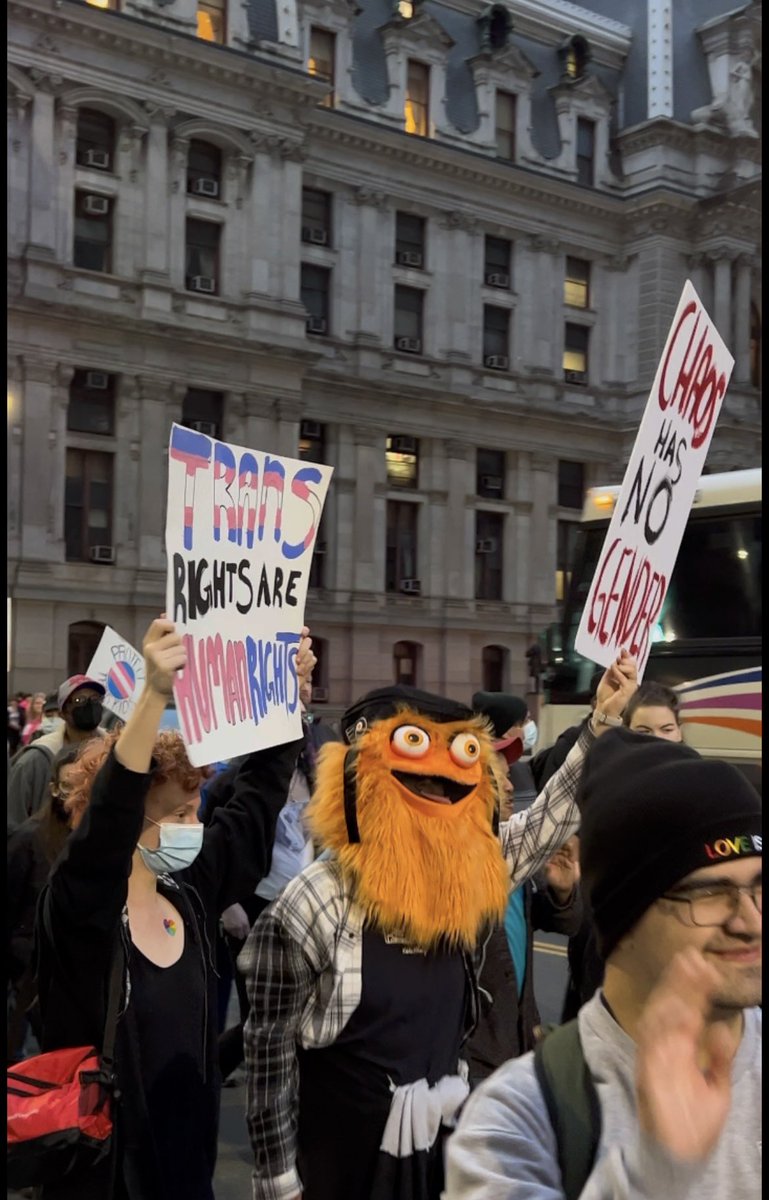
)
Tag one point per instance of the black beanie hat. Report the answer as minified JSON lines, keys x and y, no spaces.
{"x":653,"y":811}
{"x":387,"y":701}
{"x":503,"y":710}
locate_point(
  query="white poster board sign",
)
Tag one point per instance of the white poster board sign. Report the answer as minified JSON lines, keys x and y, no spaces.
{"x":119,"y":668}
{"x":644,"y":536}
{"x":240,"y":532}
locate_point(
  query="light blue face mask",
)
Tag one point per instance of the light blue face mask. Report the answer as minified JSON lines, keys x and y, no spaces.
{"x":530,"y":735}
{"x":178,"y":848}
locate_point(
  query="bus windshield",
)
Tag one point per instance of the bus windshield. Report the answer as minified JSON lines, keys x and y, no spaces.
{"x":710,"y":623}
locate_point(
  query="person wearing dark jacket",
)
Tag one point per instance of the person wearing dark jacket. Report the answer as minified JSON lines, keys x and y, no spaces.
{"x":32,"y":850}
{"x":551,"y":901}
{"x":140,"y":878}
{"x":509,"y":1016}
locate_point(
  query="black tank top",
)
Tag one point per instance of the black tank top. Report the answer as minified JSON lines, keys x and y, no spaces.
{"x":169,"y":1006}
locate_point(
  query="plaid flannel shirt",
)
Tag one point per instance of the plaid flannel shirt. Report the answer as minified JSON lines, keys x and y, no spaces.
{"x":303,"y":965}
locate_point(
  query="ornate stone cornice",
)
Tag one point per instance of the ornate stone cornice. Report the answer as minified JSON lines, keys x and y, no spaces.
{"x":366,"y":195}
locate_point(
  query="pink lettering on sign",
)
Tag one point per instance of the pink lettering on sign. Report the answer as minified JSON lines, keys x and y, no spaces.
{"x":245,"y":498}
{"x":698,"y":386}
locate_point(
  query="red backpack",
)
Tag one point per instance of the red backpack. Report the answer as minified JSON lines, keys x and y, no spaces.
{"x":59,"y":1120}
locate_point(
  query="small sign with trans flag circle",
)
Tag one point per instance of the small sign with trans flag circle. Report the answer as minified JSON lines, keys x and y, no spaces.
{"x":120,"y":669}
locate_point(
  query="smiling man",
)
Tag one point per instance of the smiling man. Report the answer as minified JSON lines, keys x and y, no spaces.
{"x":362,"y":974}
{"x":671,"y":860}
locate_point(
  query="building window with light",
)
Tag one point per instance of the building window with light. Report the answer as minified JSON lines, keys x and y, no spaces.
{"x":417,"y":108}
{"x":576,"y":284}
{"x":585,"y":152}
{"x":402,"y":461}
{"x":505,"y":125}
{"x":321,"y":60}
{"x":212,"y":20}
{"x":574,"y":55}
{"x":109,"y":4}
{"x":312,"y":442}
{"x":575,"y":356}
{"x":404,"y":9}
{"x":565,"y":540}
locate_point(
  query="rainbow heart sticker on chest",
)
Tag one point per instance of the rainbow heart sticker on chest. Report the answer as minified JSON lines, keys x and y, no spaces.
{"x":169,"y":926}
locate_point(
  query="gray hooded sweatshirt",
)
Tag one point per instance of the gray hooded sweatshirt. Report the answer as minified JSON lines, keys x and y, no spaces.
{"x":504,"y":1147}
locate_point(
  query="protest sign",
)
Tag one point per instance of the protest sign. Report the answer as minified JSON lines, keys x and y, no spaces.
{"x":240,"y":533}
{"x":120,"y":670}
{"x":644,"y":536}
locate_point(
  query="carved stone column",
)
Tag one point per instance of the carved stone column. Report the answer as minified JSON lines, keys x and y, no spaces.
{"x":42,"y":233}
{"x":156,"y":265}
{"x":742,"y":291}
{"x":369,"y":532}
{"x":722,"y":297}
{"x":459,"y":542}
{"x":38,"y":455}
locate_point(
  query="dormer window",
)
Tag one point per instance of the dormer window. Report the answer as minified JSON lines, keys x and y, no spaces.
{"x":320,"y":61}
{"x":417,"y":106}
{"x":404,"y":9}
{"x":212,"y":20}
{"x":495,"y":26}
{"x":574,"y":55}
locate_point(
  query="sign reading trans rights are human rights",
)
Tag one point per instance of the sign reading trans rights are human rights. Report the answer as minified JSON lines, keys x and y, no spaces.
{"x":240,"y":533}
{"x":644,"y":536}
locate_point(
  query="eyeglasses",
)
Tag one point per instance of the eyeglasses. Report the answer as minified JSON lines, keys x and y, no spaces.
{"x":709,"y":907}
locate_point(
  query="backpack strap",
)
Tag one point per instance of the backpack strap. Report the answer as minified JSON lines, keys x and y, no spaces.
{"x":572,"y":1104}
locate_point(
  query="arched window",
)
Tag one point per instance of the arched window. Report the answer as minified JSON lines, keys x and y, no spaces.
{"x":406,"y":663}
{"x":82,"y":640}
{"x":494,"y":668}
{"x":204,"y":169}
{"x":95,"y":145}
{"x":755,"y":346}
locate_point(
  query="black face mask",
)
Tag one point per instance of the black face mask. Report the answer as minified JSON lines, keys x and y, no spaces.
{"x":87,"y":716}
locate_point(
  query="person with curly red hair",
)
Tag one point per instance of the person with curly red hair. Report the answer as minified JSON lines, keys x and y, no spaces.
{"x":142,"y":878}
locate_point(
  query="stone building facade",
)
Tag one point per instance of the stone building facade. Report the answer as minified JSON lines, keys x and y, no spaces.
{"x":436,"y":245}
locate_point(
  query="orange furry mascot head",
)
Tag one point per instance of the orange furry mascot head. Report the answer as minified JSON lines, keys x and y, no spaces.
{"x":409,"y":811}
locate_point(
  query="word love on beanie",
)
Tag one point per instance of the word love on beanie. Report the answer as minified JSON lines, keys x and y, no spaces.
{"x":732,"y":847}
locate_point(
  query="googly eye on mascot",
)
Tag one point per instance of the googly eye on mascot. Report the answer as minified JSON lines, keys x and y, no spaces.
{"x":361,"y":975}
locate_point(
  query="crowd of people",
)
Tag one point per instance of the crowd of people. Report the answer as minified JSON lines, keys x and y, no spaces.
{"x":373,"y":893}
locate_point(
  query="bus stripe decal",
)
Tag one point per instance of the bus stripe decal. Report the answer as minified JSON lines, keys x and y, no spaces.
{"x":742,"y":724}
{"x":751,"y":676}
{"x":745,"y":700}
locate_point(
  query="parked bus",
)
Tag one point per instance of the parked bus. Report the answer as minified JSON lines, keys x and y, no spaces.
{"x":707,"y":641}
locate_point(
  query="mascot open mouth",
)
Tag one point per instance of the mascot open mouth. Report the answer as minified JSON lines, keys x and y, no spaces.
{"x":437,"y":788}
